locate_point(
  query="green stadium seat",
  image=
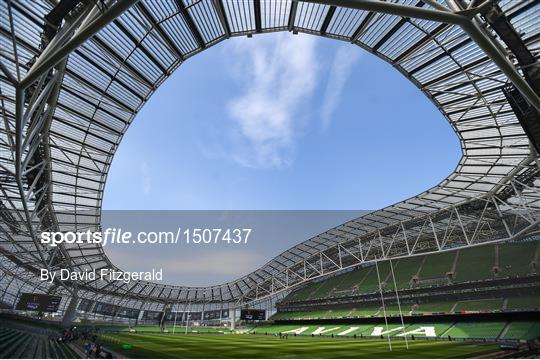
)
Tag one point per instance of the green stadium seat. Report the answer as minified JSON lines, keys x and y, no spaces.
{"x":370,"y":282}
{"x":440,"y":328}
{"x":531,"y":302}
{"x":15,"y":343}
{"x":463,"y":265}
{"x":301,"y":294}
{"x":365,"y":311}
{"x":515,"y":259}
{"x":349,"y":281}
{"x":476,"y":263}
{"x":435,"y":307}
{"x":470,"y":264}
{"x":339,"y":313}
{"x":325,"y":288}
{"x":479,"y":305}
{"x":435,"y":267}
{"x":404,"y":271}
{"x":522,"y":330}
{"x":393,"y":310}
{"x":473,"y":330}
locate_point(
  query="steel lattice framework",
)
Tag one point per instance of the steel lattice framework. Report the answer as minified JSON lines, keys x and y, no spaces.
{"x":70,"y":86}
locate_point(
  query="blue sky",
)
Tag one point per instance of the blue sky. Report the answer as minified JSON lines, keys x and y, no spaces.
{"x":275,"y":122}
{"x":281,"y":122}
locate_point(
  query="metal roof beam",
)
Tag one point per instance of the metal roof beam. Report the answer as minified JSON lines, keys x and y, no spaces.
{"x":397,"y":9}
{"x":395,"y":29}
{"x":455,"y":72}
{"x":434,"y":59}
{"x":418,"y":45}
{"x":139,"y":45}
{"x":123,"y":63}
{"x":292,"y":15}
{"x":160,"y":31}
{"x":389,"y":34}
{"x":457,"y":17}
{"x":69,"y":72}
{"x":105,"y":72}
{"x":82,"y":35}
{"x":191,"y":24}
{"x":327,"y":20}
{"x":257,"y":10}
{"x":218,"y":4}
{"x":361,"y":28}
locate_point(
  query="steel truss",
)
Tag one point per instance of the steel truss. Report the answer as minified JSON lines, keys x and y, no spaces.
{"x":67,"y":99}
{"x":36,"y":96}
{"x":477,"y":222}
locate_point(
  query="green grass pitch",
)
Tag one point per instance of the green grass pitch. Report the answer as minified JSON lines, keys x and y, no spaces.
{"x":260,"y":346}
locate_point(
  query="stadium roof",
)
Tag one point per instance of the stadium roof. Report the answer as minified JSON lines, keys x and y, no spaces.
{"x":71,"y":88}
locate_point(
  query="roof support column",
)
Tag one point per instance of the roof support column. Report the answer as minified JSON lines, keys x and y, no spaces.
{"x":233,"y":318}
{"x":88,"y":28}
{"x":70,"y":312}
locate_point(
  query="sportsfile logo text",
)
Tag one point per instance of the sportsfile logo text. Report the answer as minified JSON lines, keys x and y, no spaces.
{"x":230,"y":236}
{"x":110,"y":235}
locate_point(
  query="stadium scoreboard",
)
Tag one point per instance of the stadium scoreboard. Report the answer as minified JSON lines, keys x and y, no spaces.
{"x":152,"y":315}
{"x":38,"y":302}
{"x":252,"y":314}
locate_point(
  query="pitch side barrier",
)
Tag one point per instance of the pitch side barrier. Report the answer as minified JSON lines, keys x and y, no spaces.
{"x":385,"y":337}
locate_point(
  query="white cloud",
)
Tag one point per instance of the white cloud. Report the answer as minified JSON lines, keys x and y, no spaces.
{"x":146,"y":177}
{"x":346,"y":56}
{"x":278,"y":73}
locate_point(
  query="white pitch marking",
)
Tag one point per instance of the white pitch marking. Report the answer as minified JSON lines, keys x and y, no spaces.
{"x":296,"y":331}
{"x":379,"y":330}
{"x":427,"y":331}
{"x":323,"y":330}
